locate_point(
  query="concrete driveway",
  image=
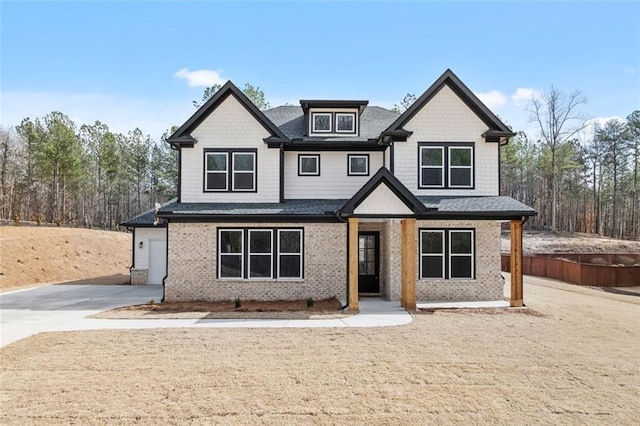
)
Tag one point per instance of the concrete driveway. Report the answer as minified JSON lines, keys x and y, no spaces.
{"x":58,"y":307}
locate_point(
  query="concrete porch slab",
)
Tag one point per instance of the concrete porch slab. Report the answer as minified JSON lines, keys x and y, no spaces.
{"x":464,"y":305}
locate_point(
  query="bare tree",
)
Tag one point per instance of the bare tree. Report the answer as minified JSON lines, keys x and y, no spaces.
{"x":559,"y":118}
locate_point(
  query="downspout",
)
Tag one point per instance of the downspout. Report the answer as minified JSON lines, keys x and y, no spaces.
{"x":500,"y":145}
{"x":166,"y":262}
{"x":341,"y":219}
{"x":282,"y":173}
{"x":133,"y":250}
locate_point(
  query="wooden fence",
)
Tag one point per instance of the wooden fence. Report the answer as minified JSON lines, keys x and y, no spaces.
{"x":600,"y":270}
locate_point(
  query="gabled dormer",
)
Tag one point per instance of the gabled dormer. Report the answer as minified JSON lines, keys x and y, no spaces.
{"x":333,"y":118}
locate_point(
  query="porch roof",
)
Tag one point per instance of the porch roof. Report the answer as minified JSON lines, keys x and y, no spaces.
{"x":498,"y":207}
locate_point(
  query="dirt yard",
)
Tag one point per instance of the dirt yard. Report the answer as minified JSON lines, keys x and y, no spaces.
{"x":542,"y":242}
{"x":36,"y":255}
{"x":572,"y":358}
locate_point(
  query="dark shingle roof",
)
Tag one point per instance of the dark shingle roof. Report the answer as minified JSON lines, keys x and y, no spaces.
{"x":480,"y":205}
{"x":290,"y":119}
{"x":290,"y":207}
{"x":498,"y":207}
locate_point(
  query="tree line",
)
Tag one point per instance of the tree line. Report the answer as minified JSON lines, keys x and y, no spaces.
{"x":578,"y":181}
{"x":53,"y":171}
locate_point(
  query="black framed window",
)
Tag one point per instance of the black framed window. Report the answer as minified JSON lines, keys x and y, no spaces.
{"x":358,"y":164}
{"x":230,"y":253}
{"x":308,"y":165}
{"x":290,"y":253}
{"x":447,"y":253}
{"x":260,"y":253}
{"x":230,"y":170}
{"x":445,"y":165}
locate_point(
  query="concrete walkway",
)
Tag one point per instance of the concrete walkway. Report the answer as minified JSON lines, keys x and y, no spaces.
{"x":65,"y":308}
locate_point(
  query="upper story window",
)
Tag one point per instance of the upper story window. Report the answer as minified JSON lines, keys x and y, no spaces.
{"x":345,"y":122}
{"x":321,"y":122}
{"x":358,"y":164}
{"x":337,"y":122}
{"x":446,"y":165}
{"x":230,"y":170}
{"x":308,"y":165}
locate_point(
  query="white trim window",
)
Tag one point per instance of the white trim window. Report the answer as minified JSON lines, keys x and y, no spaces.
{"x":358,"y":164}
{"x":230,"y":253}
{"x":446,"y":165}
{"x":290,"y":253}
{"x":432,"y":167}
{"x":345,"y":122}
{"x":260,"y":253}
{"x":230,"y":170}
{"x":432,"y":254}
{"x":447,"y":253}
{"x":244,"y":171}
{"x":321,"y":122}
{"x":461,"y":254}
{"x":308,"y":165}
{"x":260,"y":263}
{"x":460,"y":167}
{"x":216,"y":176}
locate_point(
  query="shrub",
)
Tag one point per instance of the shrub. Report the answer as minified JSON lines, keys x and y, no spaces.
{"x":237,"y":302}
{"x":309,"y":302}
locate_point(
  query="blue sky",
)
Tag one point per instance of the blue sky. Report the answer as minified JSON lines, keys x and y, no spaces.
{"x":132,"y":64}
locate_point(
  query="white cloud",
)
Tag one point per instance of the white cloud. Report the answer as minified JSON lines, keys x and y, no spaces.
{"x":121,"y":113}
{"x":523,"y":95}
{"x":630,"y":70}
{"x":492,"y":99}
{"x":200,"y":78}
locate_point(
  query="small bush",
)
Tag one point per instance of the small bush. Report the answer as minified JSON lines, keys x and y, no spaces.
{"x":237,"y":302}
{"x":309,"y":302}
{"x":16,"y":220}
{"x":151,"y":302}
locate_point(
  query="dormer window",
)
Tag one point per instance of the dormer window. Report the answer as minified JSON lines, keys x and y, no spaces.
{"x":345,"y":122}
{"x":321,"y":122}
{"x":327,"y":118}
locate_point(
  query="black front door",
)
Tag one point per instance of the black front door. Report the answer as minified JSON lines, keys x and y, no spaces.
{"x":369,"y":262}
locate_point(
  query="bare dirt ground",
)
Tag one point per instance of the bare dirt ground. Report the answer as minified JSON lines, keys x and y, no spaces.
{"x":572,"y":359}
{"x":283,"y":309}
{"x":542,"y":242}
{"x":34,"y":255}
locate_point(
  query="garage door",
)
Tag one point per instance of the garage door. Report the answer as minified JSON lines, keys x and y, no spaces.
{"x":157,"y":261}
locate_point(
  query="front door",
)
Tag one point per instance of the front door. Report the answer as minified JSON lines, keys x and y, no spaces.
{"x":369,"y":262}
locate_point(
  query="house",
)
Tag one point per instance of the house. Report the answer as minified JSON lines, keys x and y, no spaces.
{"x":341,"y":198}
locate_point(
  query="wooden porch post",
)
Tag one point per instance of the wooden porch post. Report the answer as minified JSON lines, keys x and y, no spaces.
{"x":408,"y":239}
{"x":353,"y":264}
{"x":516,"y":263}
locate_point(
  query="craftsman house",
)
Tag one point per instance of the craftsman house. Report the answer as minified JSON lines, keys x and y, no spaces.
{"x":339,"y":198}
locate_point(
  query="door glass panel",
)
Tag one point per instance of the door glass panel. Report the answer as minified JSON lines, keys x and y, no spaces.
{"x":367,"y":255}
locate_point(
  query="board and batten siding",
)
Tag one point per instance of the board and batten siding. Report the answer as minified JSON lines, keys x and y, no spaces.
{"x":144,"y":235}
{"x":230,"y":126}
{"x":446,"y":118}
{"x":333,"y":182}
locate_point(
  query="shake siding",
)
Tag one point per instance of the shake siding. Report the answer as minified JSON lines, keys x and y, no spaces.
{"x":446,"y":118}
{"x":230,"y":125}
{"x":333,"y":182}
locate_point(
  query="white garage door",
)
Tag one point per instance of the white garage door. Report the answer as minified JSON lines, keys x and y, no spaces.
{"x":157,"y":261}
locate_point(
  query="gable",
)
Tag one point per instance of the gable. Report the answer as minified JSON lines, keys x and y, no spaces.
{"x":382,"y":201}
{"x":446,"y":117}
{"x":493,"y":125}
{"x":183,"y":136}
{"x":383,"y":194}
{"x":228,"y":124}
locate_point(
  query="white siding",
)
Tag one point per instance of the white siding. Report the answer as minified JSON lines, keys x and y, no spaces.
{"x":143,"y":235}
{"x":230,"y":125}
{"x":333,"y":182}
{"x":446,"y":118}
{"x":382,"y":201}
